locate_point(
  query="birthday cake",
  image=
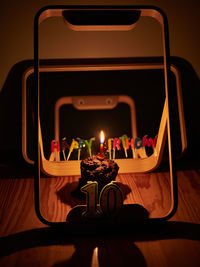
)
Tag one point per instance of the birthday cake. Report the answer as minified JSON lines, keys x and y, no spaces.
{"x":101,"y":170}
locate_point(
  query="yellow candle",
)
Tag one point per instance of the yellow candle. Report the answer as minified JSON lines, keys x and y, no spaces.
{"x":89,"y":145}
{"x":74,"y":145}
{"x":110,"y":147}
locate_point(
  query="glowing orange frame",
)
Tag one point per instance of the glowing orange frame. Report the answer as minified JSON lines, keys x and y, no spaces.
{"x":149,"y":11}
{"x":71,"y":167}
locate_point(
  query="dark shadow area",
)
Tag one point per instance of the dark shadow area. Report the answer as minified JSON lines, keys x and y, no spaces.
{"x":82,"y":256}
{"x":17,"y":169}
{"x":109,"y":252}
{"x":65,"y":195}
{"x":120,"y":252}
{"x":129,"y":213}
{"x":116,"y":238}
{"x":10,"y":106}
{"x":191,"y":93}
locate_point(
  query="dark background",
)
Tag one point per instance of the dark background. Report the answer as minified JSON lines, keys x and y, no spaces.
{"x":17,"y":56}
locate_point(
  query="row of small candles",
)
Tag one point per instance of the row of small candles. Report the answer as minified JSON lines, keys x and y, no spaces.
{"x":137,"y":146}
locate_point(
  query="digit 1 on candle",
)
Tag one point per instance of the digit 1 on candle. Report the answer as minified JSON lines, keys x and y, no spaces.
{"x":91,"y":191}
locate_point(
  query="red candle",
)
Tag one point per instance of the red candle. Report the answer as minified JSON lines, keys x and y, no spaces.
{"x":102,"y":138}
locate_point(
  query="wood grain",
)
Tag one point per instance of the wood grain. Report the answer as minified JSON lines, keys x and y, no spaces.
{"x":152,"y":191}
{"x":17,"y":215}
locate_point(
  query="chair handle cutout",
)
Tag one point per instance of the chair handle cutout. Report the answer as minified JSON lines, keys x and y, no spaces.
{"x":96,"y":19}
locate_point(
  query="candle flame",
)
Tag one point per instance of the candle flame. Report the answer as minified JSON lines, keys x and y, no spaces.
{"x":102,"y":137}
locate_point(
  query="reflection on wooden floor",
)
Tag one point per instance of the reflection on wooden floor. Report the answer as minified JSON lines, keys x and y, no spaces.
{"x":152,"y":191}
{"x":25,"y":241}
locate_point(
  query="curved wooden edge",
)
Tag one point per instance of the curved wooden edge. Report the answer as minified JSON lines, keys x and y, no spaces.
{"x":64,"y":168}
{"x":86,"y":68}
{"x":180,"y":109}
{"x":93,"y":103}
{"x":57,"y":11}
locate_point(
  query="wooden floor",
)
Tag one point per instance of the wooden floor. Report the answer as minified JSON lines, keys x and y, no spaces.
{"x":25,"y":241}
{"x":151,"y":191}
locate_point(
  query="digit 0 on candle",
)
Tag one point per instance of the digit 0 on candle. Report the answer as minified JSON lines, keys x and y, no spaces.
{"x":111,"y":199}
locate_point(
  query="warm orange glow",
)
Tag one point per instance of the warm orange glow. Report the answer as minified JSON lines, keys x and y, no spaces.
{"x":102,"y":137}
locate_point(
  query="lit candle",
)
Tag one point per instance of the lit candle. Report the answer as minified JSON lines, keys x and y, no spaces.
{"x":102,"y":138}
